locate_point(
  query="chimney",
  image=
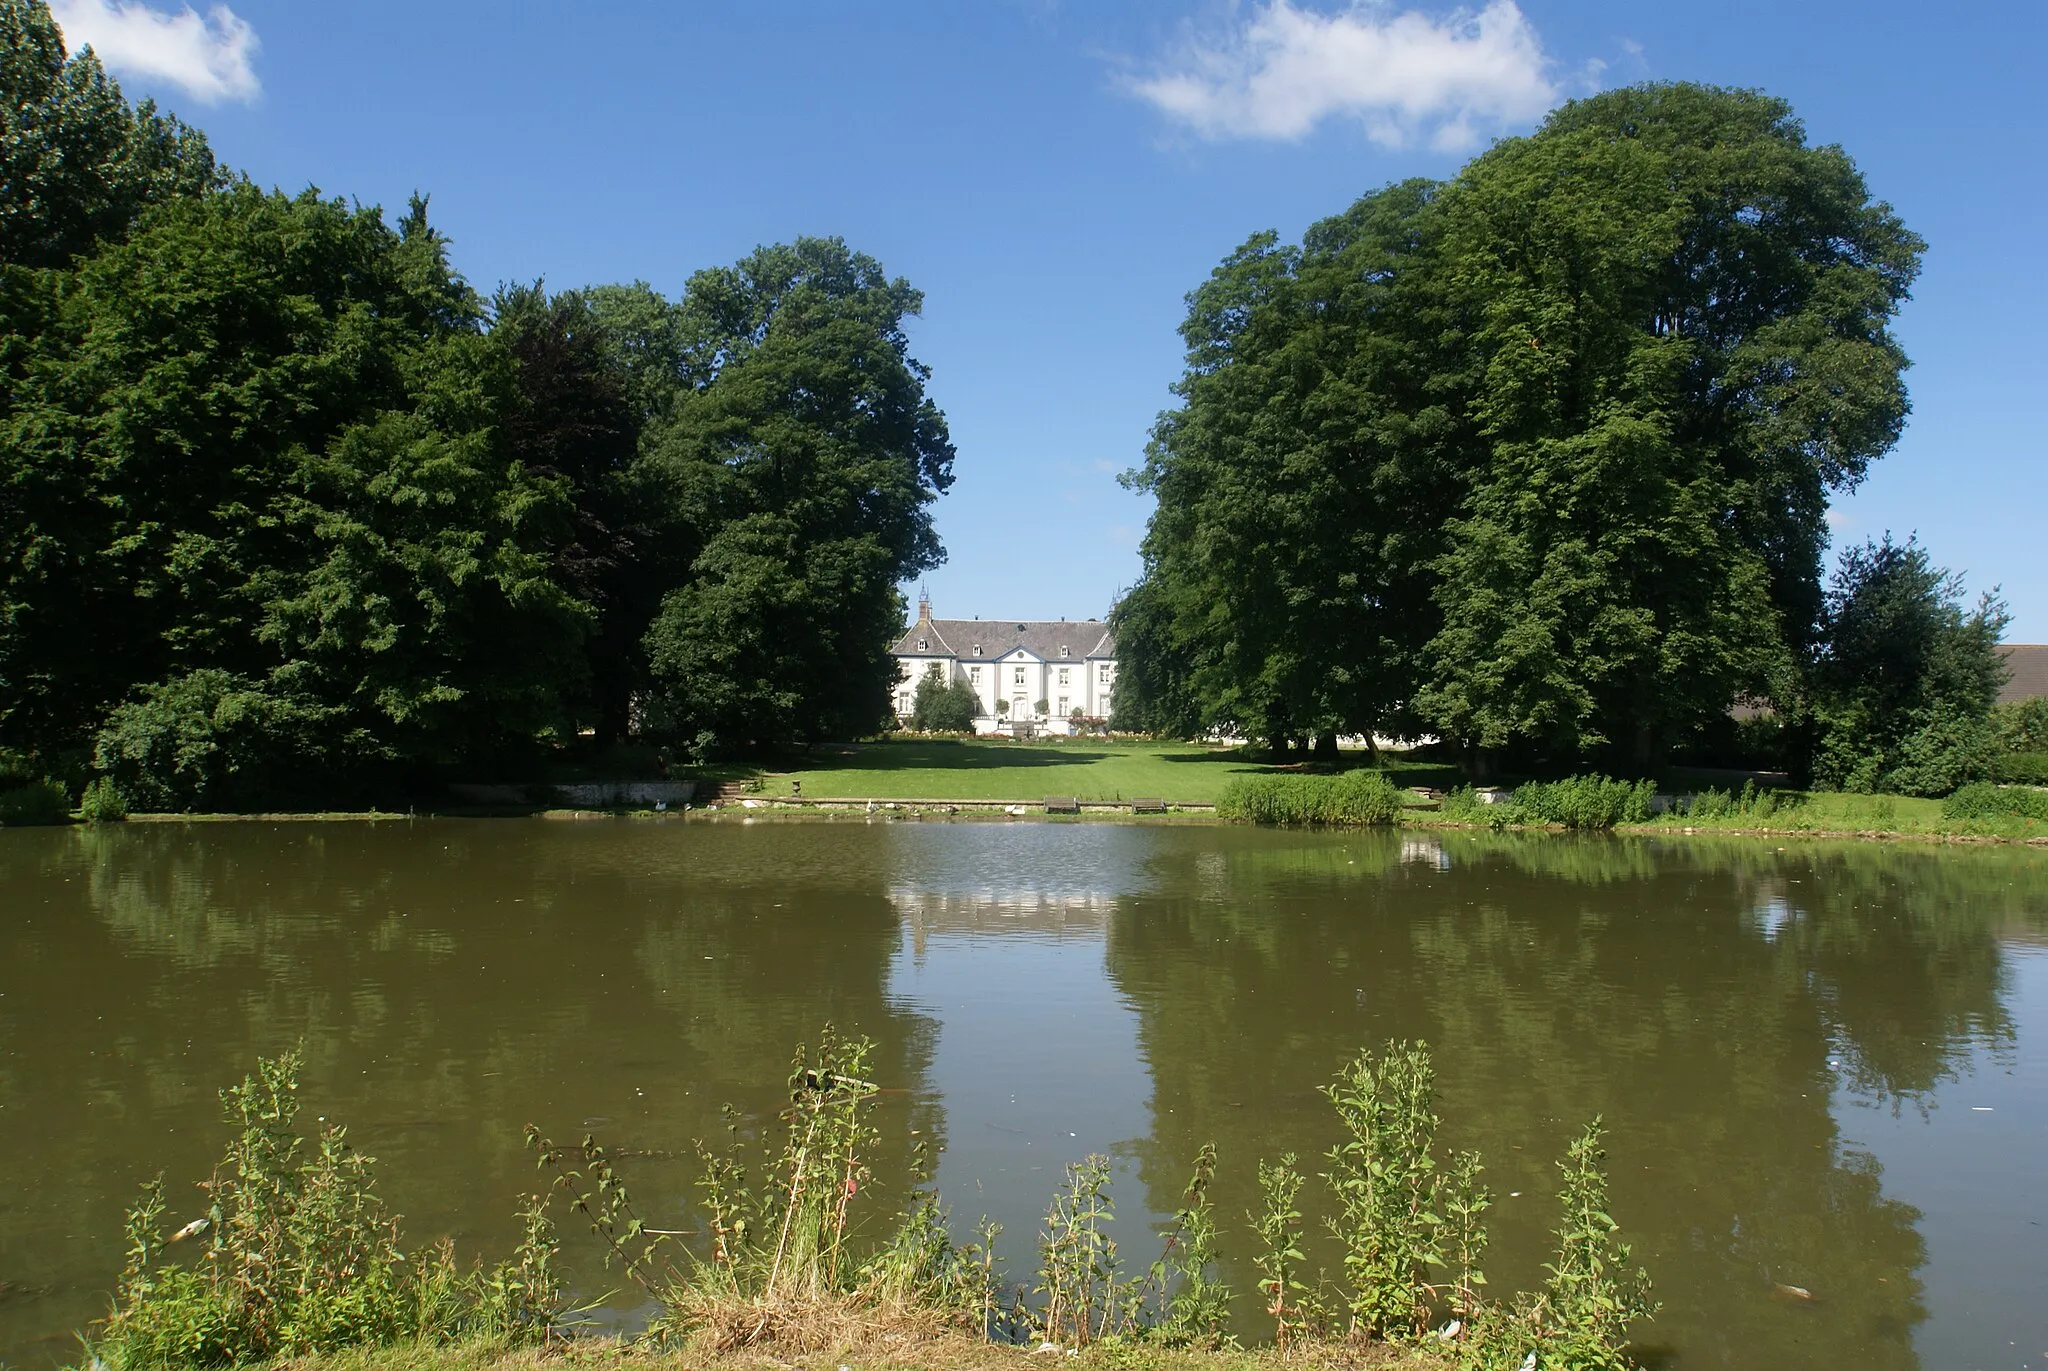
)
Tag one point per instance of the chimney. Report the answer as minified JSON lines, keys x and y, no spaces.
{"x":924,"y":606}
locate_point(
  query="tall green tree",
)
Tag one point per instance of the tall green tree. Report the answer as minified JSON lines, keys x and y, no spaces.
{"x":1906,"y":676}
{"x":1538,"y":458}
{"x":77,"y":162}
{"x":797,"y":466}
{"x":1677,"y":314}
{"x":261,"y":437}
{"x":1301,"y":486}
{"x":575,"y":418}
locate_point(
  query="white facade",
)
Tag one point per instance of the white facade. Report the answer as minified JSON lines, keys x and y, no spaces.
{"x":1014,"y":667}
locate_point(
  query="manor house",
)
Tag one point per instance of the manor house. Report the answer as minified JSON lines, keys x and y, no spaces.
{"x":1049,"y":676}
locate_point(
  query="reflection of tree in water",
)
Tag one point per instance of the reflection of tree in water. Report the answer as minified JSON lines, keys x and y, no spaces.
{"x":450,"y":981}
{"x":1657,"y":985}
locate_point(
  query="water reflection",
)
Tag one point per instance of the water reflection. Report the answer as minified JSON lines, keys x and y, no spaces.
{"x":1706,"y":1000}
{"x":1757,"y":1027}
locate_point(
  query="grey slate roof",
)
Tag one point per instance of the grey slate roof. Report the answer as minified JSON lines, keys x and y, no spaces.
{"x":2028,"y":663}
{"x":1082,"y":638}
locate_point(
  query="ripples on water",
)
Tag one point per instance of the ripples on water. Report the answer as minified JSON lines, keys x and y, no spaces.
{"x":1820,"y":1067}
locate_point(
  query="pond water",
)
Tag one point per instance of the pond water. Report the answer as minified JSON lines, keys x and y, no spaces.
{"x":1824,"y":1066}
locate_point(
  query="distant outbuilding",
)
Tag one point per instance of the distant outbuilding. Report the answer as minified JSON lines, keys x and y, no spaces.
{"x":2028,"y":663}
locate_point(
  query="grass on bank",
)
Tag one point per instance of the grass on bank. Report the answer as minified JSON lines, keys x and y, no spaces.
{"x":1089,"y":769}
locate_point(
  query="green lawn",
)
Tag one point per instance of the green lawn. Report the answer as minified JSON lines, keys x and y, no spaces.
{"x":1022,"y":773}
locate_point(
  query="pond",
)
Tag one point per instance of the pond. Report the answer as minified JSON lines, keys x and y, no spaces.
{"x":1820,"y":1066}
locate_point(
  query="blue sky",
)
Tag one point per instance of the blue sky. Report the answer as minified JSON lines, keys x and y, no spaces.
{"x":1056,"y":176}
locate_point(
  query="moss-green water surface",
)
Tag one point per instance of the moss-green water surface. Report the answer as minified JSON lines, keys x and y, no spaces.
{"x":1824,"y":1069}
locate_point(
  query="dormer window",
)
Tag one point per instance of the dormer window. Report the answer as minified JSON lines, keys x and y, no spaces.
{"x":977,"y":649}
{"x":1066,"y":651}
{"x":924,"y":645}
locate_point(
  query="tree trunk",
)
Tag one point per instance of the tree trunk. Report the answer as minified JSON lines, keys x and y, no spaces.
{"x":1326,"y":748}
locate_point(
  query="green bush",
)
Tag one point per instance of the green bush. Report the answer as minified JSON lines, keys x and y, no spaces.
{"x":102,"y":802}
{"x":213,"y":740}
{"x":37,"y":803}
{"x":1586,"y":802}
{"x":1354,"y":798}
{"x":2021,"y":768}
{"x":1983,"y":800}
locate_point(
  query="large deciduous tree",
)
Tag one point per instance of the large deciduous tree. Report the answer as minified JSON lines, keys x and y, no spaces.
{"x":1678,"y":315}
{"x":77,"y":162}
{"x":797,"y":463}
{"x":1539,"y":457}
{"x":261,"y":438}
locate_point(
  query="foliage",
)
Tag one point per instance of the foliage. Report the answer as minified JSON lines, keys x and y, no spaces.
{"x":1279,"y":1259}
{"x":2021,"y":725}
{"x":2020,"y":768}
{"x":102,"y":802}
{"x":1352,"y":798}
{"x":37,"y":803}
{"x":941,"y":706}
{"x":210,"y":739}
{"x":257,"y":443}
{"x":1592,"y":1294}
{"x":78,"y":164}
{"x":1983,"y":800}
{"x":1540,"y":455}
{"x":1750,"y":802}
{"x":797,"y":461}
{"x":1585,"y":802}
{"x":1077,"y":1260}
{"x":1906,"y":680}
{"x":1391,"y":1186}
{"x":1195,"y":1304}
{"x":302,"y":1257}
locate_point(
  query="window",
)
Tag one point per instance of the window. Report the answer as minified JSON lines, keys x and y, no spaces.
{"x":974,"y":675}
{"x":1104,"y":677}
{"x":977,"y":649}
{"x":1063,"y":707}
{"x":902,"y":704}
{"x":1066,"y":651}
{"x":1064,"y":675}
{"x":1020,"y":676}
{"x":924,"y":645}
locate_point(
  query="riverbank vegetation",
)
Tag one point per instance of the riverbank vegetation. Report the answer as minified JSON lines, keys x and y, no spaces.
{"x":291,"y":514}
{"x":295,"y":1254}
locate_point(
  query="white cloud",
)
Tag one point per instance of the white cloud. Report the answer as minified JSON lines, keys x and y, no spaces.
{"x":208,"y":57}
{"x":1406,"y":76}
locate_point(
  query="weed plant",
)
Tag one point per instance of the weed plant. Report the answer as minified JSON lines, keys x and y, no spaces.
{"x":1751,"y":803}
{"x":300,"y":1256}
{"x":1354,"y":798}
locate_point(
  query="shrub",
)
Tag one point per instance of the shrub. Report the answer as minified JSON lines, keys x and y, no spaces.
{"x":37,"y":803}
{"x":211,"y":739}
{"x":1586,"y":802}
{"x":2020,"y":768}
{"x":1983,"y":800}
{"x":1354,"y":798}
{"x":102,"y":802}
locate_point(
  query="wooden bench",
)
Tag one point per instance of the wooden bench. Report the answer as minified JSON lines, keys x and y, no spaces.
{"x":1148,"y":806}
{"x":1062,"y":804}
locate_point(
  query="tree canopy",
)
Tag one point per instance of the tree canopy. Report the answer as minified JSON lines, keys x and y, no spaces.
{"x":286,"y":505}
{"x":1537,"y":458}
